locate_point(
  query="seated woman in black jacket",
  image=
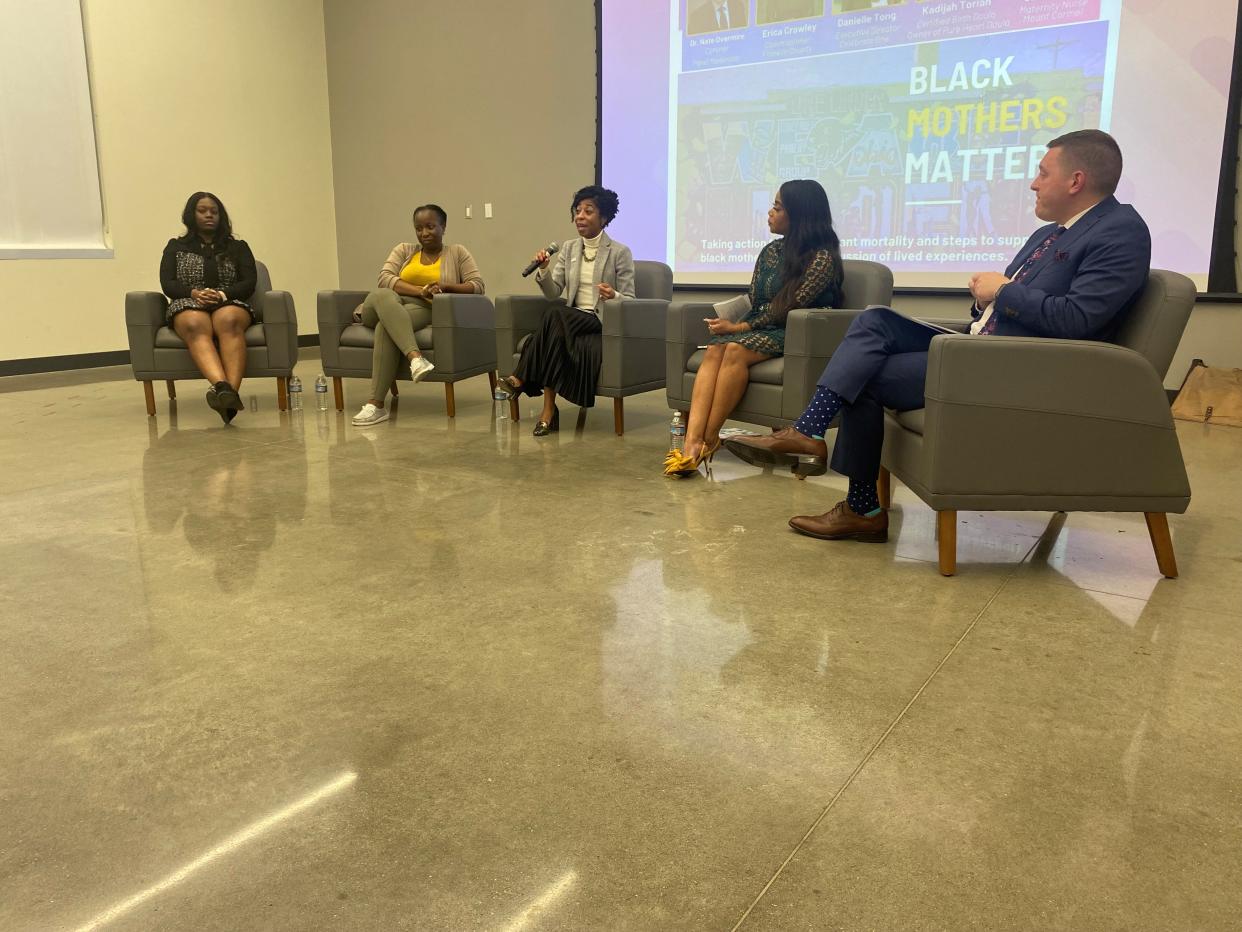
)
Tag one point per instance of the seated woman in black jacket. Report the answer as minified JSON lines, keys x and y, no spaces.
{"x":209,"y":276}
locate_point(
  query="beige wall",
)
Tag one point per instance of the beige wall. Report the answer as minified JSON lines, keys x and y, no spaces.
{"x":459,"y":103}
{"x":230,"y":97}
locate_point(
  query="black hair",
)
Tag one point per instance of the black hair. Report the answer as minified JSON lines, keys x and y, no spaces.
{"x":435,"y":209}
{"x":1095,"y":153}
{"x":224,"y":227}
{"x":606,"y":202}
{"x":810,"y":230}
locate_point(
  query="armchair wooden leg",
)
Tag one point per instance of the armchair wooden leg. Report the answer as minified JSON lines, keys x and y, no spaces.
{"x":172,"y":389}
{"x":149,"y":390}
{"x":1161,"y":542}
{"x":393,"y":388}
{"x":515,"y":410}
{"x":491,"y":381}
{"x":450,"y":403}
{"x":282,"y":393}
{"x":884,"y":488}
{"x":618,"y":415}
{"x":946,"y":527}
{"x":338,"y":393}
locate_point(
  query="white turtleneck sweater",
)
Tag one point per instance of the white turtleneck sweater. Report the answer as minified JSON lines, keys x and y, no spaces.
{"x":587,"y":294}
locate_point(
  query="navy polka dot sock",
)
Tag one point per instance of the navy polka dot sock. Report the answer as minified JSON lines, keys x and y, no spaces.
{"x":863,"y":499}
{"x":824,"y":406}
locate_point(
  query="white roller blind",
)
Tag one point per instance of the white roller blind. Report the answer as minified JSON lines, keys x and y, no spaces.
{"x":50,"y":203}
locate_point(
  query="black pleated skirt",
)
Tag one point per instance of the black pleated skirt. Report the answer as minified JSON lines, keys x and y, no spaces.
{"x":563,"y":354}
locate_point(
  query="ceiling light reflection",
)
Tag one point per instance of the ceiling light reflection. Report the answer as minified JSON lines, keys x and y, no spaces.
{"x":230,"y":844}
{"x":546,"y":899}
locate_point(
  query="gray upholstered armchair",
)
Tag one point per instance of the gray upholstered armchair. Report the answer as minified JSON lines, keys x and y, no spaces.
{"x":633,"y":337}
{"x":157,"y":353}
{"x":779,"y":388}
{"x":1028,"y":424}
{"x":460,"y":342}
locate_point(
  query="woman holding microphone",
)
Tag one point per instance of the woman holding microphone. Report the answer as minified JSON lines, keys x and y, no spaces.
{"x":563,"y":356}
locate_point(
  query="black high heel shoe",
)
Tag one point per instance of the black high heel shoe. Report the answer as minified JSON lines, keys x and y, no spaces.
{"x":543,"y":428}
{"x":506,"y":390}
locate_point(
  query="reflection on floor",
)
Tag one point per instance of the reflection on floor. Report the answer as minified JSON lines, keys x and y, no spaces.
{"x":441,"y":674}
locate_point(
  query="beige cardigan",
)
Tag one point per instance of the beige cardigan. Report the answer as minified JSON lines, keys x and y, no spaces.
{"x":457,"y":266}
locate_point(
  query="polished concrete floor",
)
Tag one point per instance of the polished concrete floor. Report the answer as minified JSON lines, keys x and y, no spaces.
{"x":444,"y":675}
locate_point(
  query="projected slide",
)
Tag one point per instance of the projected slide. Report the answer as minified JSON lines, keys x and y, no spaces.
{"x":924,"y":121}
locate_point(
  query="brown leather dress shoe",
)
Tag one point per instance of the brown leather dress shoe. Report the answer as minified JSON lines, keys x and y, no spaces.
{"x":843,"y":523}
{"x":786,"y":447}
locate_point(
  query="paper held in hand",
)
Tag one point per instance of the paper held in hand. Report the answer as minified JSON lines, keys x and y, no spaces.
{"x":733,"y":310}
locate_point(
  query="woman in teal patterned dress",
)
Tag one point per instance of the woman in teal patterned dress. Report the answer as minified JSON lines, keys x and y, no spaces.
{"x":803,"y":269}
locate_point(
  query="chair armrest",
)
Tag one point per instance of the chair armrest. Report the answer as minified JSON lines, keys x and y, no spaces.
{"x":685,"y":327}
{"x":684,"y":333}
{"x":145,"y":309}
{"x":633,"y":344}
{"x":334,"y":311}
{"x":463,"y":333}
{"x":280,"y":329}
{"x":644,"y":318}
{"x":516,"y":316}
{"x":521,"y":312}
{"x":144,"y":315}
{"x":1047,"y":424}
{"x":812,"y":335}
{"x":817,"y":331}
{"x":1071,"y":377}
{"x":336,"y":308}
{"x":464,"y":311}
{"x":278,"y":308}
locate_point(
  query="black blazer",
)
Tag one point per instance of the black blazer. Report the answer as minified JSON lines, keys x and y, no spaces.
{"x":236,"y":250}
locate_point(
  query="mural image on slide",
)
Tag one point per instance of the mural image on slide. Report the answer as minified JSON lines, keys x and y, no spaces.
{"x":927,"y":150}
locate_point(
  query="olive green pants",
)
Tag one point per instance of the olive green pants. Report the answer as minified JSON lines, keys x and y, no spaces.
{"x":395,"y":318}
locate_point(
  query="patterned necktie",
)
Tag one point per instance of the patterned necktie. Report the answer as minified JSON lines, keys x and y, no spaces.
{"x":1037,"y":254}
{"x":1023,"y":271}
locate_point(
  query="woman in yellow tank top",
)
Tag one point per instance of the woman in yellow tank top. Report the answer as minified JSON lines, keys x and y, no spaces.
{"x":401,"y":305}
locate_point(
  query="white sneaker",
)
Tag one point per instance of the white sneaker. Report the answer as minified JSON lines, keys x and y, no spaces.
{"x":419,"y":367}
{"x":370,"y":414}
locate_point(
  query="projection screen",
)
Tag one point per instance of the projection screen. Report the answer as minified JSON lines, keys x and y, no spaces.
{"x":924,"y":121}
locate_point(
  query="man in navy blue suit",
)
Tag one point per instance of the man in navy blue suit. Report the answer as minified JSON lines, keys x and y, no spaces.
{"x":1075,"y":278}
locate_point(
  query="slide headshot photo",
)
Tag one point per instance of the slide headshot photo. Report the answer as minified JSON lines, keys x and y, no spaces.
{"x":780,"y":11}
{"x":705,"y":16}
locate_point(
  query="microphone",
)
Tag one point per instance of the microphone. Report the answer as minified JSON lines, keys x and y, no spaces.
{"x":551,"y":251}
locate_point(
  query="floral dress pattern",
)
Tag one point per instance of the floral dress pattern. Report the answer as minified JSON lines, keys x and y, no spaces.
{"x":820,"y":287}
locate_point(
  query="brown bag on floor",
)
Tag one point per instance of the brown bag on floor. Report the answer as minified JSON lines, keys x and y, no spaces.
{"x":1210,"y":395}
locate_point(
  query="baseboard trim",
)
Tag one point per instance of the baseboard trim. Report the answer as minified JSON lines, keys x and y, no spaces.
{"x":63,"y":363}
{"x":92,"y":360}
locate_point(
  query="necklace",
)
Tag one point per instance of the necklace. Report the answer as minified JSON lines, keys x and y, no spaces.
{"x":589,"y":252}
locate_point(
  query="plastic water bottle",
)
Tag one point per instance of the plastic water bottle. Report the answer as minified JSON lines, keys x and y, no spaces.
{"x":321,"y":392}
{"x":676,"y":432}
{"x":295,"y":394}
